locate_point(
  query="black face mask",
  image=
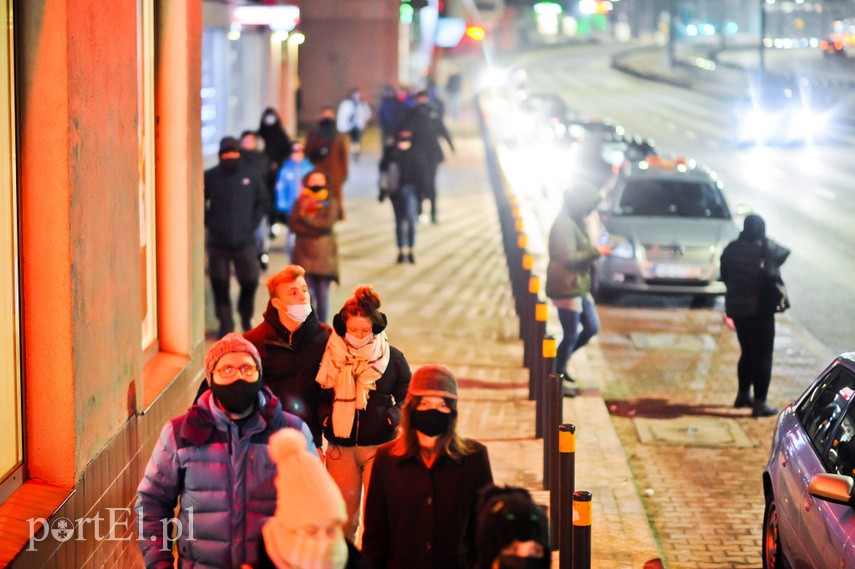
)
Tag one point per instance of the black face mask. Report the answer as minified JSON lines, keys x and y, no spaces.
{"x":229,"y":164}
{"x":516,"y":562}
{"x":430,"y":422}
{"x":317,"y":189}
{"x":326,"y":122}
{"x":237,"y":397}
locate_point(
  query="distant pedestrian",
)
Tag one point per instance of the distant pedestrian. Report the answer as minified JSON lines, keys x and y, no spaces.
{"x":291,"y":342}
{"x":212,"y":462}
{"x":289,"y":182}
{"x":235,"y":202}
{"x":750,"y":267}
{"x":327,"y":149}
{"x":277,"y":143}
{"x":352,"y":118}
{"x":513,"y":531}
{"x":424,"y":121}
{"x":312,"y":220}
{"x":397,"y":182}
{"x":306,"y":530}
{"x":249,"y":151}
{"x":453,"y":91}
{"x":568,"y":274}
{"x":366,"y":379}
{"x":420,"y":511}
{"x":391,"y":112}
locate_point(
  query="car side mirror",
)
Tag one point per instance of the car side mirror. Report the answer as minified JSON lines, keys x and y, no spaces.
{"x":836,"y":488}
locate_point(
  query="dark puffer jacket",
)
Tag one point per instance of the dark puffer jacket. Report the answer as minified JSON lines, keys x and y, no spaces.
{"x":235,"y":201}
{"x":290,"y":364}
{"x":376,"y":424}
{"x":745,"y":265}
{"x":224,"y":477}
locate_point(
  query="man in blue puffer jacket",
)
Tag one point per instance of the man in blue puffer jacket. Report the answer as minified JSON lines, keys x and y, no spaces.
{"x":214,"y":461}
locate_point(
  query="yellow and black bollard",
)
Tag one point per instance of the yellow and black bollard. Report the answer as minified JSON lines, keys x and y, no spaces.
{"x":547,"y":363}
{"x":582,"y":530}
{"x":566,"y":488}
{"x":551,"y":482}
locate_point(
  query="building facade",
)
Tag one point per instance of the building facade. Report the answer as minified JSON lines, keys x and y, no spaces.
{"x":101,"y":226}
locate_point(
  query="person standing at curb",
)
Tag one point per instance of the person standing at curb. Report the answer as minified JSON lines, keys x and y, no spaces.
{"x":750,"y":266}
{"x":568,"y":274}
{"x":367,"y":379}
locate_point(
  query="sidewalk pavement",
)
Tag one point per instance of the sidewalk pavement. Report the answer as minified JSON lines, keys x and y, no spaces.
{"x":454,"y":307}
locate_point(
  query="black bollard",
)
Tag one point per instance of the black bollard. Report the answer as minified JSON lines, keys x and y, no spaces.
{"x":547,"y":361}
{"x":582,"y":530}
{"x":530,"y":337}
{"x":566,"y":486}
{"x":555,"y":412}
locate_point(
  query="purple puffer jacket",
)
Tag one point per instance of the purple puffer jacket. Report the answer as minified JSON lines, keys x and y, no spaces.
{"x":224,"y":478}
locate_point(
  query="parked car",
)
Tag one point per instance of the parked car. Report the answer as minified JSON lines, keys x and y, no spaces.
{"x":667,"y":222}
{"x":809,"y":520}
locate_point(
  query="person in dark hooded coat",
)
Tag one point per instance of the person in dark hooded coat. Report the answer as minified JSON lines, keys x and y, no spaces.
{"x":277,"y":144}
{"x":568,"y":274}
{"x":748,"y":265}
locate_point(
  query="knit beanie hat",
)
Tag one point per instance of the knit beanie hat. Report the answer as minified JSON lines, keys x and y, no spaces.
{"x":433,"y":379}
{"x":306,"y":495}
{"x":229,"y":343}
{"x":508,"y":514}
{"x":229,"y":144}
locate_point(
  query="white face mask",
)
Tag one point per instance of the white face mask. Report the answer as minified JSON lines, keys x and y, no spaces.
{"x":357,"y":342}
{"x":299,"y":312}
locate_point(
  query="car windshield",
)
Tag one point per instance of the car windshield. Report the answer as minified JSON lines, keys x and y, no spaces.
{"x":671,"y":198}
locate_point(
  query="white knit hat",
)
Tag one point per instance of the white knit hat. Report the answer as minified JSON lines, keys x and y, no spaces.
{"x":306,"y":495}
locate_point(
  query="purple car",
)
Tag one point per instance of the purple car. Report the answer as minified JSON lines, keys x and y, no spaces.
{"x":809,"y":519}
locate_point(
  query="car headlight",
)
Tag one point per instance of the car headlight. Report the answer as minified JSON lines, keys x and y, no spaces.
{"x":758,"y":123}
{"x":808,"y":122}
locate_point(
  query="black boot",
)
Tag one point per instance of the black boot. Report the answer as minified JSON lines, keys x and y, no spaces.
{"x":743,"y":400}
{"x":762,"y":410}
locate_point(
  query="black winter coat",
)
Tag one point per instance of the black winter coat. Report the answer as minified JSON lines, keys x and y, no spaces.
{"x":746,"y":266}
{"x":376,"y":424}
{"x":235,"y":201}
{"x":423,"y":518}
{"x":290,"y":364}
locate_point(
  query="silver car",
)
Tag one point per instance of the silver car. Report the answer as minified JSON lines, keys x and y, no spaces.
{"x":667,"y":223}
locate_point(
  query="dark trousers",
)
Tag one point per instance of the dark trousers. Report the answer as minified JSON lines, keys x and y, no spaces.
{"x":756,"y":336}
{"x":405,"y":206}
{"x":426,"y":187}
{"x":246,"y":268}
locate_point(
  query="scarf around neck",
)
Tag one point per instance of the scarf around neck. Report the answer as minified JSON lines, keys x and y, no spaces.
{"x":351,"y":373}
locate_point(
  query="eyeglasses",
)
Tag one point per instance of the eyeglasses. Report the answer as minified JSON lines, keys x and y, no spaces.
{"x":246,"y":370}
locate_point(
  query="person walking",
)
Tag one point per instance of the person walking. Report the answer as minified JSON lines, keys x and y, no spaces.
{"x":568,"y":274}
{"x":291,"y":341}
{"x":289,"y":182}
{"x":750,"y":266}
{"x":453,"y":90}
{"x":391,"y":112}
{"x":420,"y":511}
{"x":213,"y":463}
{"x":235,"y":202}
{"x":327,"y":149}
{"x":352,"y":118}
{"x":424,"y":121}
{"x":277,"y":143}
{"x":367,"y":379}
{"x":260,"y":161}
{"x":397,"y":182}
{"x":306,"y":530}
{"x":312,"y":220}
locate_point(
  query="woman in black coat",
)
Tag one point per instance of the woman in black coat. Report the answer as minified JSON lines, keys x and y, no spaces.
{"x":366,"y":379}
{"x":421,"y":508}
{"x":750,"y":265}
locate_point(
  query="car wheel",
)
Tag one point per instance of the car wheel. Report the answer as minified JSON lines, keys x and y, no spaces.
{"x":772,"y":554}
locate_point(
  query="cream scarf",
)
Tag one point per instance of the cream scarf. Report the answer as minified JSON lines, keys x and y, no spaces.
{"x":351,"y":373}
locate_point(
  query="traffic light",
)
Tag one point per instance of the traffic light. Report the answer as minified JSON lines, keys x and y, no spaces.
{"x":475,"y":33}
{"x":442,"y":8}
